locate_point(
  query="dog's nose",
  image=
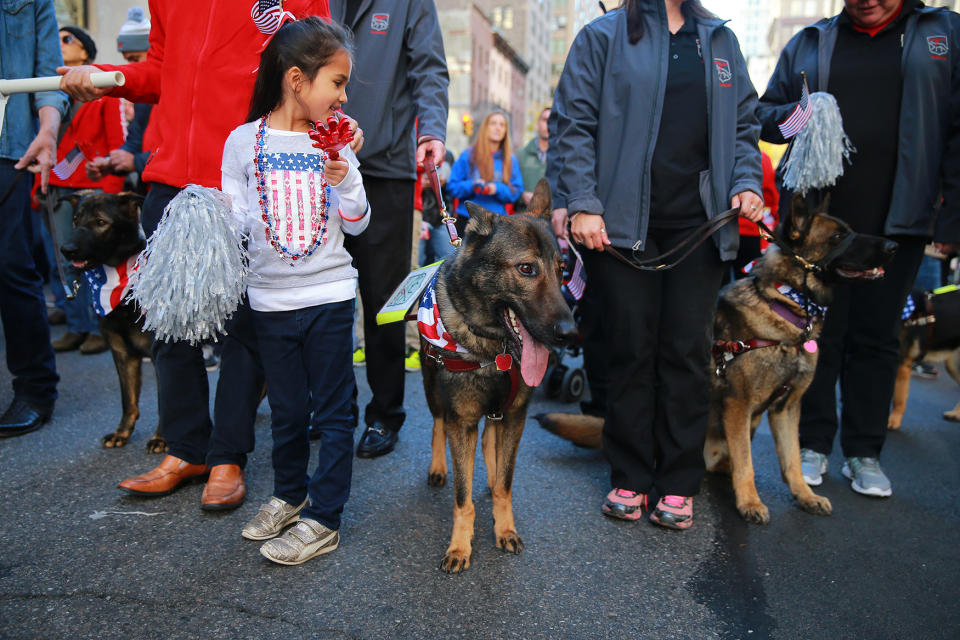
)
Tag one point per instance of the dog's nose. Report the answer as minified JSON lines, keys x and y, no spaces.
{"x":69,"y":250}
{"x":890,"y":247}
{"x":566,"y":330}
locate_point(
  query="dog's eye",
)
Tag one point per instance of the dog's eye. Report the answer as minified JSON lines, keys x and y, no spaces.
{"x":527,"y":268}
{"x":101,"y":223}
{"x":835,"y":238}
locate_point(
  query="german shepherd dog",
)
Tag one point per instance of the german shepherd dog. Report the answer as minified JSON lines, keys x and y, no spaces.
{"x":765,"y":351}
{"x":930,"y":334}
{"x":499,"y":298}
{"x":106,"y":231}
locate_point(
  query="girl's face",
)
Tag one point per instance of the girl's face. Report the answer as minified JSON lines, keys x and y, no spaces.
{"x":496,"y":129}
{"x":323,"y":95}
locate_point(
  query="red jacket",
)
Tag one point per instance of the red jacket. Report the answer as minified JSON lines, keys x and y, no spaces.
{"x":96,"y":128}
{"x":771,"y":198}
{"x":200,"y":72}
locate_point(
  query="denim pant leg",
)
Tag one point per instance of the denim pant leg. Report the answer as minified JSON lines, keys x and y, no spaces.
{"x":23,"y":309}
{"x":440,"y":243}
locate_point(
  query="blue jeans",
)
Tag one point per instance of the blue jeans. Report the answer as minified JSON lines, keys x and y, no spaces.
{"x":23,"y":309}
{"x":79,"y":310}
{"x":436,"y":247}
{"x":307,"y":361}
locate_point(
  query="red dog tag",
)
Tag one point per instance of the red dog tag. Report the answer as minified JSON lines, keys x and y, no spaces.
{"x":504,"y":362}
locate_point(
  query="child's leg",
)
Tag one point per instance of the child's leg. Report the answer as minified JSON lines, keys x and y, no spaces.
{"x":280,"y":337}
{"x":330,"y":372}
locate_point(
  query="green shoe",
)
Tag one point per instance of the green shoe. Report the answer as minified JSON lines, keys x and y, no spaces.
{"x":412,"y":361}
{"x":359,"y":357}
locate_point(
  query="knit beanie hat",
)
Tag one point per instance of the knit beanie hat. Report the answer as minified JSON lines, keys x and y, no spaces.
{"x":84,"y":38}
{"x":135,"y":32}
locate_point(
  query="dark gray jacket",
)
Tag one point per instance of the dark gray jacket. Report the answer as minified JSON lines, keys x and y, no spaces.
{"x":399,"y":75}
{"x":928,"y":162}
{"x":606,"y":124}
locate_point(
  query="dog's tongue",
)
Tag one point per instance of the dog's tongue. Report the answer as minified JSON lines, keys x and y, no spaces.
{"x":533,"y":360}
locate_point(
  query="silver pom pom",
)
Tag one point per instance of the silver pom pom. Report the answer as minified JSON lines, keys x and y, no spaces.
{"x":191,"y":276}
{"x":816,"y":155}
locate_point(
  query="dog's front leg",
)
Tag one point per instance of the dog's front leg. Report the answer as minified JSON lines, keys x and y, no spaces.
{"x":128,"y":367}
{"x":508,"y":433}
{"x":736,"y":426}
{"x":437,"y":475}
{"x":901,"y":390}
{"x":488,"y":444}
{"x":784,"y":425}
{"x":463,"y":450}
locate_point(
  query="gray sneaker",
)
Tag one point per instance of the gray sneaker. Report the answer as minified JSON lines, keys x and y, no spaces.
{"x":867,"y":476}
{"x":271,"y":519}
{"x":812,"y":465}
{"x":304,"y":540}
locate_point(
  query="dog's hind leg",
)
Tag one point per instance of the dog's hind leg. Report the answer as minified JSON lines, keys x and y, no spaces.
{"x":736,"y":425}
{"x":437,"y":475}
{"x":785,"y":426}
{"x":901,"y":390}
{"x":463,"y":450}
{"x":507,"y":442}
{"x":488,"y":444}
{"x":953,"y":368}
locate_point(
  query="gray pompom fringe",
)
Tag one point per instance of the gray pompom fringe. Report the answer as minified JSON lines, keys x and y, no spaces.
{"x":816,"y":155}
{"x":190,"y":278}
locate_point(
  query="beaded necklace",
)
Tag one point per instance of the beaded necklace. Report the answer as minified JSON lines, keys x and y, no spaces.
{"x":318,"y":219}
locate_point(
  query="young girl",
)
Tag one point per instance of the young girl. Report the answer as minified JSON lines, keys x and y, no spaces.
{"x":487,"y":173}
{"x":296,"y":203}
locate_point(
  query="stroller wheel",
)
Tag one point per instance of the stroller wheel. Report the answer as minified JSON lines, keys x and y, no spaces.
{"x":554,"y":377}
{"x":572,"y":384}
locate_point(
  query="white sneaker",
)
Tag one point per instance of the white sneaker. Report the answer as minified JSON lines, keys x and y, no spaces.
{"x":867,"y":477}
{"x":271,"y":519}
{"x":304,"y":540}
{"x":812,"y":465}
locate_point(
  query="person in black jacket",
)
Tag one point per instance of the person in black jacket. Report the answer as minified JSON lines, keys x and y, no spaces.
{"x":649,"y":146}
{"x":890,"y":67}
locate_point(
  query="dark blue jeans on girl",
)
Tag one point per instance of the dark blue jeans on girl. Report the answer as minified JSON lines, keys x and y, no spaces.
{"x":307,"y":359}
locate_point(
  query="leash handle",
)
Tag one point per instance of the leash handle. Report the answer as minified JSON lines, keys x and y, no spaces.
{"x":448,"y":221}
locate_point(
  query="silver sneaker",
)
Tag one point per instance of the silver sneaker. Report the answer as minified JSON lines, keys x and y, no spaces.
{"x":271,"y":519}
{"x":812,"y":465}
{"x":867,"y":476}
{"x":304,"y":540}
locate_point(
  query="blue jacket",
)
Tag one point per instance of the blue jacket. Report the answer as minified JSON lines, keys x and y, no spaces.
{"x":29,"y":48}
{"x":607,"y":116}
{"x":928,"y":162}
{"x":463,"y":175}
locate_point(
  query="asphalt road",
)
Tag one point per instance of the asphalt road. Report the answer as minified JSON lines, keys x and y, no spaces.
{"x":83,"y":560}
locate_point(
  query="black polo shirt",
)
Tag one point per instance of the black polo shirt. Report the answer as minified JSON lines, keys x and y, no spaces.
{"x":681,"y":152}
{"x":866,"y":80}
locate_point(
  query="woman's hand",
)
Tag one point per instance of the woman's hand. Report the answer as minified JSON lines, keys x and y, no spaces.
{"x":558,"y":221}
{"x":76,"y":83}
{"x":335,"y":171}
{"x":587,"y":229}
{"x":751,"y":205}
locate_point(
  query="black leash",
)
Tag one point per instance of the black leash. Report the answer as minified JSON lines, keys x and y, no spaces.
{"x":13,"y":185}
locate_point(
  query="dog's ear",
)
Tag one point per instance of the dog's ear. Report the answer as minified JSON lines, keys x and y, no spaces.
{"x":797,"y":221}
{"x":540,"y":202}
{"x":130,"y":202}
{"x":75,"y":198}
{"x":481,"y":221}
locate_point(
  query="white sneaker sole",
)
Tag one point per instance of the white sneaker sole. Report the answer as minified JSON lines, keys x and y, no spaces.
{"x":817,"y":480}
{"x":856,"y":486}
{"x":319,"y":552}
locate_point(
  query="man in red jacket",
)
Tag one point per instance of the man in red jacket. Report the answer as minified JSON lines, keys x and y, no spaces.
{"x":199,"y":71}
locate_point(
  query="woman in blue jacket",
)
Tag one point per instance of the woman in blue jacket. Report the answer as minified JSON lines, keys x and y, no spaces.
{"x":487,"y":173}
{"x":656,"y":133}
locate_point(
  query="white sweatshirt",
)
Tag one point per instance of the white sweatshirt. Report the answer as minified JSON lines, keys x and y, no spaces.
{"x":294,"y":192}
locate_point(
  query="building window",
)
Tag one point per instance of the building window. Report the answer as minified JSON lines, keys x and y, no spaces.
{"x":507,"y":18}
{"x":71,"y":12}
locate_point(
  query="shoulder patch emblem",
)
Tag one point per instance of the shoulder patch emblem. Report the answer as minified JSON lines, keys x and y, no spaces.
{"x":379,"y":23}
{"x":938,"y":47}
{"x":723,"y":72}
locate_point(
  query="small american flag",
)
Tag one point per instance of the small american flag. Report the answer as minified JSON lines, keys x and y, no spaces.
{"x":70,"y":163}
{"x":801,"y":114}
{"x":268,"y":15}
{"x":577,"y":281}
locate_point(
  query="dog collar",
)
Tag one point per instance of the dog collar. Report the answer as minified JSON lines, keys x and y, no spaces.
{"x":109,"y":286}
{"x":808,"y":305}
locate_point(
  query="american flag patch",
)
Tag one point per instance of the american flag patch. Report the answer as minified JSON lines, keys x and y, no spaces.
{"x":109,"y":286}
{"x":801,"y":114}
{"x":70,"y":163}
{"x":294,"y":194}
{"x":268,"y":15}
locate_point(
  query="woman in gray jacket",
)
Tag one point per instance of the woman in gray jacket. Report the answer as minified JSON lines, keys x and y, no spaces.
{"x":655,"y":135}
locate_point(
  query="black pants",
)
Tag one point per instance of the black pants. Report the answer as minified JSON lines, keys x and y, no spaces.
{"x":23,"y":309}
{"x":594,"y":335}
{"x":658,"y":346}
{"x":182,"y":388}
{"x":859,"y":346}
{"x":381,"y":255}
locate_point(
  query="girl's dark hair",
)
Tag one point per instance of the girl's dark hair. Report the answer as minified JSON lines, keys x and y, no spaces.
{"x":308,"y":44}
{"x":635,"y":9}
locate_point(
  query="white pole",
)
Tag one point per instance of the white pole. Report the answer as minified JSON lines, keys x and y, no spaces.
{"x":51,"y":83}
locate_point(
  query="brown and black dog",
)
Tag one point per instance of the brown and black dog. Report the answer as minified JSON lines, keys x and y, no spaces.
{"x":106,"y":231}
{"x":765,"y":351}
{"x":499,"y":298}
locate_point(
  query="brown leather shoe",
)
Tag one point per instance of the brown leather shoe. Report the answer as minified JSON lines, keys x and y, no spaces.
{"x":225,"y":488}
{"x":68,"y":342}
{"x":165,"y":479}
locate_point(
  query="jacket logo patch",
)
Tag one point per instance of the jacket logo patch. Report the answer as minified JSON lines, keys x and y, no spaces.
{"x":379,"y":23}
{"x":723,"y":72}
{"x":937,"y":45}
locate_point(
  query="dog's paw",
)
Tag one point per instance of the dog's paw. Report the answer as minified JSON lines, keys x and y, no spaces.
{"x":953,"y":415}
{"x":510,"y":542}
{"x":157,"y":444}
{"x":817,"y":505}
{"x":114,"y":440}
{"x":455,"y":561}
{"x":894,"y":421}
{"x":755,"y":512}
{"x":436,"y":479}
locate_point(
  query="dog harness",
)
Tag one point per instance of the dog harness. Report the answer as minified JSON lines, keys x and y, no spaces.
{"x":440,"y":347}
{"x":109,"y":286}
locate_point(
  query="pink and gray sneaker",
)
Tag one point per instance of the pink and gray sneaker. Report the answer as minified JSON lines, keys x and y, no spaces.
{"x":625,"y":504}
{"x":673,"y":512}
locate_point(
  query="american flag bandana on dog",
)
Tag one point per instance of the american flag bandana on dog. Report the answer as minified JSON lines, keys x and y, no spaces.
{"x":430,"y":324}
{"x":109,"y":286}
{"x":800,"y":299}
{"x":269,"y":15}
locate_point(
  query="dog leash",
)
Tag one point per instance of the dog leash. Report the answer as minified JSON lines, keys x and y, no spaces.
{"x":13,"y":185}
{"x":448,"y":221}
{"x":70,"y":291}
